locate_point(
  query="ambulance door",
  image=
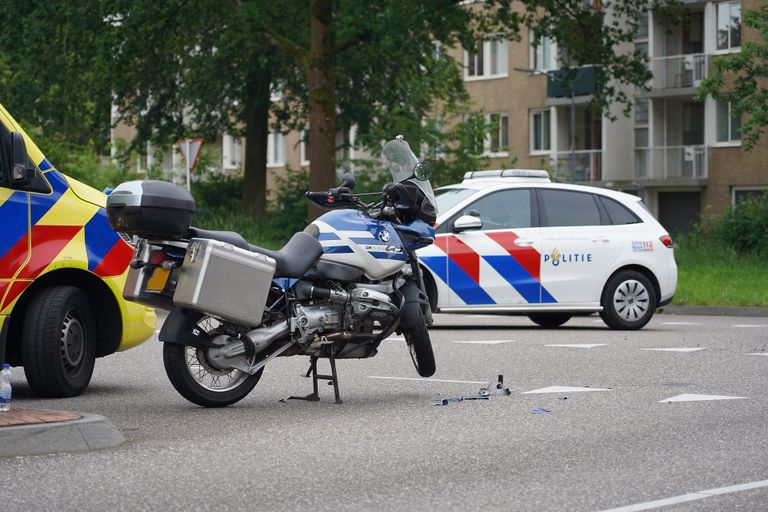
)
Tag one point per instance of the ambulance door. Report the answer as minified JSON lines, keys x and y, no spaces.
{"x":14,"y":215}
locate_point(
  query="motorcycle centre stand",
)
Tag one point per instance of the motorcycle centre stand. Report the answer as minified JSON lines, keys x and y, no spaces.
{"x":330,"y":353}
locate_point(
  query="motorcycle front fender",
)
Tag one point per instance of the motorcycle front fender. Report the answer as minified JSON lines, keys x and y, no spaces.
{"x":415,"y":300}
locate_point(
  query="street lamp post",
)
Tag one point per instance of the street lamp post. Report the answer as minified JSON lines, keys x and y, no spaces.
{"x":572,"y":129}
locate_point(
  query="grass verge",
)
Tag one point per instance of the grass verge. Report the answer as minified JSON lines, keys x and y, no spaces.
{"x":709,"y":275}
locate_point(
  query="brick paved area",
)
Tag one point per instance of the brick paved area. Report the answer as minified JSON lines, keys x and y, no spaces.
{"x":21,"y":416}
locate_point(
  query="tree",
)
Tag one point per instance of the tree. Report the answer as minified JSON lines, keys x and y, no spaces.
{"x":52,"y":73}
{"x":742,"y":79}
{"x":198,"y":68}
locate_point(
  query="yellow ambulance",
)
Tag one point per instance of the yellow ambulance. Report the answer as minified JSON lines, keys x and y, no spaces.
{"x":62,"y":271}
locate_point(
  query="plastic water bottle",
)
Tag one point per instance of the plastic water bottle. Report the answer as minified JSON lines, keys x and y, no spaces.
{"x":5,"y":388}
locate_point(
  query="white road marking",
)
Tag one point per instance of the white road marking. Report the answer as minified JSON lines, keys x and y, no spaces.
{"x":687,"y":397}
{"x":396,"y":338}
{"x":483,"y":342}
{"x":681,"y":349}
{"x":680,"y":323}
{"x":484,"y":316}
{"x":683,"y":498}
{"x":429,"y":380}
{"x":750,"y":325}
{"x":758,"y":354}
{"x":562,"y":389}
{"x":578,"y":345}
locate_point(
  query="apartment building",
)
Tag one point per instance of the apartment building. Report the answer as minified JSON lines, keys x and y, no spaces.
{"x":681,"y":155}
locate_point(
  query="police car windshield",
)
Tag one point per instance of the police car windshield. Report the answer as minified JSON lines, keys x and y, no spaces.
{"x":447,"y":198}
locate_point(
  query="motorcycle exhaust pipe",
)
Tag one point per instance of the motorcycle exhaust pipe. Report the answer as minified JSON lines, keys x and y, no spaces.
{"x":258,"y":339}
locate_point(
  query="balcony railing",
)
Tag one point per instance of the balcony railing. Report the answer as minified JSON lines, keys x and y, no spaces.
{"x":678,"y":71}
{"x":587,"y":165}
{"x":671,"y":162}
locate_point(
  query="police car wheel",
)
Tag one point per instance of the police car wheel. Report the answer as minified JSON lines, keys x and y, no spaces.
{"x":549,"y":320}
{"x":58,"y":342}
{"x":628,"y":301}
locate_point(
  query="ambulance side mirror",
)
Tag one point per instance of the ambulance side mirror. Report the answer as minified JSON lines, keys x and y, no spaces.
{"x":21,"y":172}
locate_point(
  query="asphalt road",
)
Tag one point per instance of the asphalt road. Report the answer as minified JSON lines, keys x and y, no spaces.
{"x":611,"y":444}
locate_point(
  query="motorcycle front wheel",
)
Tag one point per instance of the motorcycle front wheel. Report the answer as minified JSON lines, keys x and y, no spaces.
{"x":420,"y":347}
{"x":201,"y":383}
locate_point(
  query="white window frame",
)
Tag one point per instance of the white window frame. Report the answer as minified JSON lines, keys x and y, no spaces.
{"x":531,"y":114}
{"x":551,"y":63}
{"x":729,"y":49}
{"x":758,"y":188}
{"x":501,"y":62}
{"x":731,"y":142}
{"x":275,"y":149}
{"x":303,"y":156}
{"x":487,"y":149}
{"x":231,"y":152}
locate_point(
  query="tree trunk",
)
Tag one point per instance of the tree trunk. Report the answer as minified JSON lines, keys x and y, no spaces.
{"x":256,"y":135}
{"x":322,"y":99}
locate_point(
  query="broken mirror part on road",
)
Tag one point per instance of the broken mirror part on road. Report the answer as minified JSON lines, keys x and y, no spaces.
{"x":485,"y":393}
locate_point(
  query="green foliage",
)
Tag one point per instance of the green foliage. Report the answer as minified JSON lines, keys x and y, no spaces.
{"x":739,"y":230}
{"x":218,"y":204}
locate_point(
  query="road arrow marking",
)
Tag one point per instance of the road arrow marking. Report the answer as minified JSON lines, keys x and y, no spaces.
{"x":686,"y":397}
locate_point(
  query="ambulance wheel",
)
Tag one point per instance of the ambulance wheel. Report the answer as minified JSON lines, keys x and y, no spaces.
{"x":628,"y":301}
{"x":549,"y":320}
{"x":58,"y":342}
{"x":420,"y":347}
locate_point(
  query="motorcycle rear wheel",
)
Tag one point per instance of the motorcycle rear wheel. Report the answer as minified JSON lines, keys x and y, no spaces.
{"x":420,"y":347}
{"x":202,"y":384}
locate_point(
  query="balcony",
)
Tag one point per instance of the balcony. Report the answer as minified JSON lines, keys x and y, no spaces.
{"x":683,"y":164}
{"x":584,"y":82}
{"x":678,"y":71}
{"x":581,"y":166}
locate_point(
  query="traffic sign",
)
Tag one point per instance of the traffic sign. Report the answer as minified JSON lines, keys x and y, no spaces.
{"x":190,"y":150}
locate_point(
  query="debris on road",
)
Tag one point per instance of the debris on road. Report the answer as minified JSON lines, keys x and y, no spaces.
{"x":539,"y":410}
{"x":485,"y":393}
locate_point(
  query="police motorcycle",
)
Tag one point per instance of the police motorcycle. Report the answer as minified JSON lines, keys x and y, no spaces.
{"x":336,"y":290}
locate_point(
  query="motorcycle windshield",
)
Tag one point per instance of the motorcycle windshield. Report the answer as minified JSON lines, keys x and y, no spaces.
{"x":401,"y":161}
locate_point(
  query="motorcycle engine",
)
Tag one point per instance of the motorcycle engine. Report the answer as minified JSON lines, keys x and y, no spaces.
{"x":342,"y":312}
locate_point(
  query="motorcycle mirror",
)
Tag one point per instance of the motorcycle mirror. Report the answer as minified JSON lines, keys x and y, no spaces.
{"x":422,"y":171}
{"x":348,"y":180}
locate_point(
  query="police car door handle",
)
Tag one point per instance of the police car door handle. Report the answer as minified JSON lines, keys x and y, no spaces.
{"x":523,"y":242}
{"x":600,"y":240}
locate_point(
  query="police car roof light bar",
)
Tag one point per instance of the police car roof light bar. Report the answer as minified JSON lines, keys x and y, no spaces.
{"x":507,"y":173}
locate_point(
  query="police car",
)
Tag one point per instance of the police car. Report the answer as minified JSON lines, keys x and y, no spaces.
{"x":513,"y":241}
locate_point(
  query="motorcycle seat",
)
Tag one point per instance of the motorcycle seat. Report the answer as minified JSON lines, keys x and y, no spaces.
{"x":296,"y":256}
{"x":229,"y":237}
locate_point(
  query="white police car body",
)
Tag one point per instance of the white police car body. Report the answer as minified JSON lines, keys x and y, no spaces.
{"x":512,"y":241}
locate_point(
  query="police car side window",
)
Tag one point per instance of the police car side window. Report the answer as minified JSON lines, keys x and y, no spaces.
{"x":568,"y":208}
{"x":508,"y":209}
{"x":618,"y":213}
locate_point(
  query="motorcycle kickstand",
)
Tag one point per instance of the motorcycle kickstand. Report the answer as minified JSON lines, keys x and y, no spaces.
{"x":333,"y":378}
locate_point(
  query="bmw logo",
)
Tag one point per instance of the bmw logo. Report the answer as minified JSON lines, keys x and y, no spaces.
{"x":385,"y":236}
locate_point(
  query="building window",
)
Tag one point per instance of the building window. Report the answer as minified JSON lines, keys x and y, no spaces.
{"x":275,"y":149}
{"x":641,"y":123}
{"x":740,"y":194}
{"x":499,"y":133}
{"x":488,"y":60}
{"x":230,"y":150}
{"x":728,"y":125}
{"x":541,"y":53}
{"x":540,"y":130}
{"x":728,"y":26}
